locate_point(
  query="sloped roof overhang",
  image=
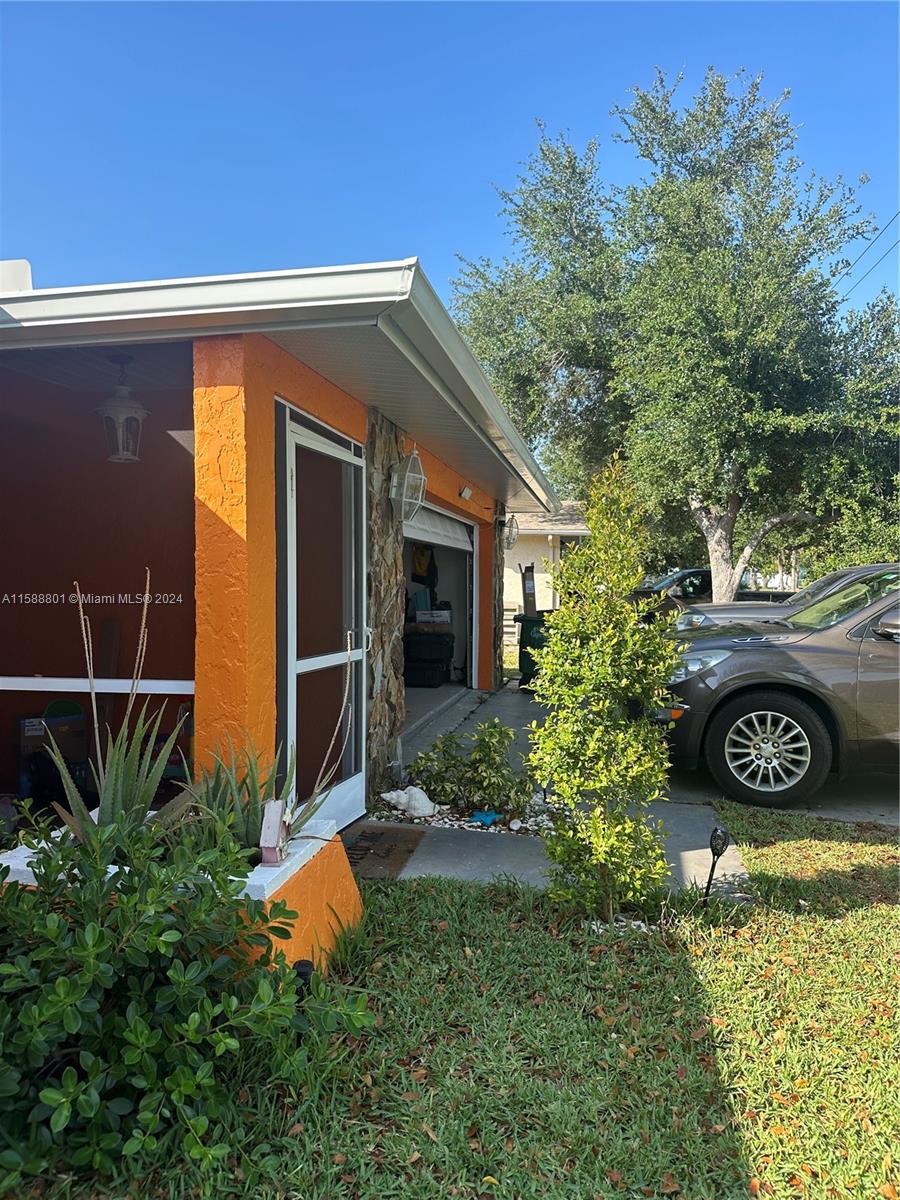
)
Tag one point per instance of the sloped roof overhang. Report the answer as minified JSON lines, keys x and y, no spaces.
{"x":376,"y":330}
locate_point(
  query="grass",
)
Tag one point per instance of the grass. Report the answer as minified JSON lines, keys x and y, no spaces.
{"x":748,"y":1051}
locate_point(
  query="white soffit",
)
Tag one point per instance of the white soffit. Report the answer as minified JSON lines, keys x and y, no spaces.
{"x":377,"y":330}
{"x":437,"y":529}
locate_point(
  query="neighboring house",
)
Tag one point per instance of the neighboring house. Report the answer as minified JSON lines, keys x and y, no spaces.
{"x":543,"y":537}
{"x":256,"y":424}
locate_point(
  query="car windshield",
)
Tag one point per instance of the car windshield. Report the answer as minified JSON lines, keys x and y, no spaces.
{"x":660,"y":585}
{"x":813,"y":590}
{"x":822,"y":614}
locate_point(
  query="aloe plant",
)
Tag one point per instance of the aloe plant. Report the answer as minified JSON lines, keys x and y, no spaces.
{"x":128,"y":775}
{"x":236,"y":791}
{"x":126,"y":779}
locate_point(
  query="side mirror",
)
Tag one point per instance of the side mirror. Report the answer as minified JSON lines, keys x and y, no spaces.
{"x":889,"y":627}
{"x":676,"y":591}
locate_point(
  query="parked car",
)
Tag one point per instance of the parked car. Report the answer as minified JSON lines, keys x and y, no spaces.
{"x":704,"y":616}
{"x":774,"y":708}
{"x":694,"y":585}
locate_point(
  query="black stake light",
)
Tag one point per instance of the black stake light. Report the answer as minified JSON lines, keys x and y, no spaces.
{"x":719,"y":842}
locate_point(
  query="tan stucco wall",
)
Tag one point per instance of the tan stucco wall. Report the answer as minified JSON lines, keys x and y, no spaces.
{"x":530,"y":548}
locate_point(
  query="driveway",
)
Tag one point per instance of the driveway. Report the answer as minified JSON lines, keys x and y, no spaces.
{"x":858,"y":798}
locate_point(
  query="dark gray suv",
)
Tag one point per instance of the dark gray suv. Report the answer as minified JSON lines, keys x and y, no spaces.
{"x":704,"y":616}
{"x":774,"y":707}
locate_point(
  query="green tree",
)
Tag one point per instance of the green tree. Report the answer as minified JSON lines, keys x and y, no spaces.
{"x":603,"y":673}
{"x":858,"y":480}
{"x":690,"y":319}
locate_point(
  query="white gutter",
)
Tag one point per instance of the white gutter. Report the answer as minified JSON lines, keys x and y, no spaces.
{"x":393,"y":296}
{"x":37,"y":317}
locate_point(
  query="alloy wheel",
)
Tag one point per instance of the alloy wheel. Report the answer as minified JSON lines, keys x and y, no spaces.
{"x":767,"y":751}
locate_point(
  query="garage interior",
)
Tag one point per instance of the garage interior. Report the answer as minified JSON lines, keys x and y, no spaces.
{"x":438,"y":564}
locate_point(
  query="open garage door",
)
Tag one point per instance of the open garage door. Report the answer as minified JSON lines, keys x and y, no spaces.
{"x":438,"y":529}
{"x":439,"y":560}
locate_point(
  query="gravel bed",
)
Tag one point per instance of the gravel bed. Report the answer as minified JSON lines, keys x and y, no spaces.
{"x":532,"y":822}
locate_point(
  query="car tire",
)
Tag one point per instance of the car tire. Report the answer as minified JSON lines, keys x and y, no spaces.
{"x":789,"y":759}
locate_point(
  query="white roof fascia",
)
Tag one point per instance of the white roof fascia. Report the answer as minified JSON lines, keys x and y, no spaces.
{"x":264,"y":299}
{"x":394,"y":296}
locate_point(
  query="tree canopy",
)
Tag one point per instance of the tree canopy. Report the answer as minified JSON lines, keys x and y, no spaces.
{"x":692,"y":320}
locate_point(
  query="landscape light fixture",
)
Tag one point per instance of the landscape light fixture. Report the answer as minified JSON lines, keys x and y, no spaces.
{"x":122,"y":417}
{"x":719,"y":842}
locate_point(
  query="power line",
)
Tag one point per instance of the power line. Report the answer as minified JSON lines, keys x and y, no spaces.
{"x":871,"y":269}
{"x":869,"y":246}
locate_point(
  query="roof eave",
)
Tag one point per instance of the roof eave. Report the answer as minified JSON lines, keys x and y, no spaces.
{"x":394,"y":296}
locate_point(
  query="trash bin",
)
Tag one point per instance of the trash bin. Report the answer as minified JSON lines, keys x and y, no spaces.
{"x":531,"y":635}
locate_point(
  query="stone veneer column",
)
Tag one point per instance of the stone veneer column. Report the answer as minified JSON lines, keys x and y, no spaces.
{"x":386,"y":602}
{"x":499,"y":553}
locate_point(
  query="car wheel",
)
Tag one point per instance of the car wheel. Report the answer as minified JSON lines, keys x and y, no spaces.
{"x":768,"y":748}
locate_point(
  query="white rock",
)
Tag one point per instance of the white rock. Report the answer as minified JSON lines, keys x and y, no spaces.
{"x":412,"y":801}
{"x":515,"y":824}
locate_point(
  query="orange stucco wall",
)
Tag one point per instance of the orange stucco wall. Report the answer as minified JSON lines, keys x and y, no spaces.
{"x":236,"y":380}
{"x":326,"y":899}
{"x":234,"y":460}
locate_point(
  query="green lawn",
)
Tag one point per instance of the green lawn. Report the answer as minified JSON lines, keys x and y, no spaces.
{"x":748,"y":1052}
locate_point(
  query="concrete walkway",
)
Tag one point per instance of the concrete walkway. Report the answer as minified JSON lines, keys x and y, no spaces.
{"x":472,"y":855}
{"x":860,"y":797}
{"x":482,"y":857}
{"x":514,"y":708}
{"x":688,"y":816}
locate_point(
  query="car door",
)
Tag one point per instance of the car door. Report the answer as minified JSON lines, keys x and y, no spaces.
{"x":696,"y":586}
{"x":878,"y":689}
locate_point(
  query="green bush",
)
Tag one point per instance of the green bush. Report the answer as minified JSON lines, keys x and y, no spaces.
{"x":133,"y":977}
{"x":473,"y":771}
{"x":603,"y":673}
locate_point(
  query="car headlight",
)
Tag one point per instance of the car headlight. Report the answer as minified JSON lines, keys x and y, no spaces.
{"x":693,"y":620}
{"x":694,"y":663}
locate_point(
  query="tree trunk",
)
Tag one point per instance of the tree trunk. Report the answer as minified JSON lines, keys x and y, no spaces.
{"x":717,"y":526}
{"x":795,"y":571}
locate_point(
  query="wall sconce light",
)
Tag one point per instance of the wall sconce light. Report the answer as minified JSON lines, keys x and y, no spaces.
{"x":122,"y":417}
{"x":408,"y":486}
{"x":465,"y":493}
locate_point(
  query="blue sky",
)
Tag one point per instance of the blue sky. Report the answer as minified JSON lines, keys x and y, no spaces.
{"x":154,"y":140}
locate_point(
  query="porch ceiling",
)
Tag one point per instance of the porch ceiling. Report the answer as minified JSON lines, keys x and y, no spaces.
{"x":377,"y":330}
{"x":364,"y":362}
{"x":161,"y":366}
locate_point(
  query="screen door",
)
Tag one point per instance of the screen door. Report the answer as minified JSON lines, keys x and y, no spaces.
{"x":326,"y":630}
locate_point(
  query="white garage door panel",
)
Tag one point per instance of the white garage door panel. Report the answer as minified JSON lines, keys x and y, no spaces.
{"x":437,"y":529}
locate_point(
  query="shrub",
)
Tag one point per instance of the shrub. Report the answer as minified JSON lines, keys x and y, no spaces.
{"x":439,"y":770}
{"x":603,"y":673}
{"x":133,"y":976}
{"x":473,"y":771}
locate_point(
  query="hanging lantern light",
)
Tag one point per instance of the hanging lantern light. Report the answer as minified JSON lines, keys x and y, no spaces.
{"x":510,"y":531}
{"x":122,"y":417}
{"x":408,"y":486}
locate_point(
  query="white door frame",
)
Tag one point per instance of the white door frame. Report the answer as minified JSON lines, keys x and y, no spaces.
{"x":473,"y":525}
{"x":347,"y":799}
